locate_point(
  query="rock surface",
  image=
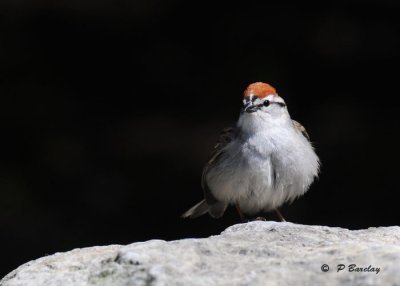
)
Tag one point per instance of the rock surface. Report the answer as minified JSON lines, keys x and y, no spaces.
{"x":256,"y":253}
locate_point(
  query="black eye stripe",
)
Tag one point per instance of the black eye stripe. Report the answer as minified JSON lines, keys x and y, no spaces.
{"x":254,"y":97}
{"x":281,"y":104}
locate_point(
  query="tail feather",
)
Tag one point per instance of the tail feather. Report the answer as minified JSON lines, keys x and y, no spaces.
{"x":197,"y":210}
{"x":215,"y":210}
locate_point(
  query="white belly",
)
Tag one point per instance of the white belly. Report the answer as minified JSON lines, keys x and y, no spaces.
{"x":261,"y":174}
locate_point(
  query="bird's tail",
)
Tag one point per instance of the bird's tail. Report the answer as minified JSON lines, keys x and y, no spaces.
{"x":197,"y":210}
{"x":215,"y":210}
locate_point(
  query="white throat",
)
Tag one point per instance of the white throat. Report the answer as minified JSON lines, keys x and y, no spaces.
{"x":261,"y":121}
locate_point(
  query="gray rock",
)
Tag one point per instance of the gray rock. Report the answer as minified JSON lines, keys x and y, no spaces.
{"x":256,"y":253}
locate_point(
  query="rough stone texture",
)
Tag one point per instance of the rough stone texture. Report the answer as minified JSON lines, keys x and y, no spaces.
{"x":256,"y":253}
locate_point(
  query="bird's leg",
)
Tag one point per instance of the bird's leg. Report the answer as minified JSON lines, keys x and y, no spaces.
{"x":280,"y":215}
{"x":242,"y":218}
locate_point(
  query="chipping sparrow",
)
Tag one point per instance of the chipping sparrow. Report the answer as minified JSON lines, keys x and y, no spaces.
{"x":262,"y":162}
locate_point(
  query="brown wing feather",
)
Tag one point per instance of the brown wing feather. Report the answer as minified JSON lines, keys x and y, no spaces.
{"x":301,"y":128}
{"x":226,"y":136}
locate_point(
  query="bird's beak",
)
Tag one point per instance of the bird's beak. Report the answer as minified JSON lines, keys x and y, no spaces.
{"x":249,"y":107}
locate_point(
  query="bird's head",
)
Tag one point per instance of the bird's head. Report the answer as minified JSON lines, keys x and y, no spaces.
{"x":262,"y":108}
{"x":262,"y":97}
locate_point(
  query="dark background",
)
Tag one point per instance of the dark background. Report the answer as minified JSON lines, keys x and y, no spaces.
{"x":109,"y":110}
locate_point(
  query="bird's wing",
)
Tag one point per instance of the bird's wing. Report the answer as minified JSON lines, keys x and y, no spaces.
{"x":226,"y":136}
{"x":301,"y":129}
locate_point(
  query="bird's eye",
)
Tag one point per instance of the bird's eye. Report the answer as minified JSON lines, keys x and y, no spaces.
{"x":266,"y":103}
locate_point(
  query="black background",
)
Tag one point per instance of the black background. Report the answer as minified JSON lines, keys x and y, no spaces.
{"x":110,"y":109}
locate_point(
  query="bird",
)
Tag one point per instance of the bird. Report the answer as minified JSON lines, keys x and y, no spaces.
{"x":265,"y":160}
